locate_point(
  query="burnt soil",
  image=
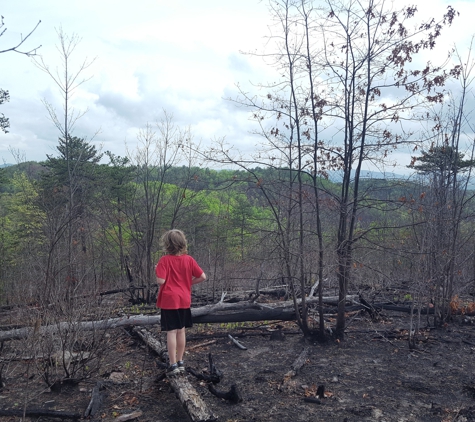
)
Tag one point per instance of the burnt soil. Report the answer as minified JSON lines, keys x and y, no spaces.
{"x":371,"y":375}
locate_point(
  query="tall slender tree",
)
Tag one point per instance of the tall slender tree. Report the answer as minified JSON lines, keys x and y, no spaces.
{"x":348,"y":83}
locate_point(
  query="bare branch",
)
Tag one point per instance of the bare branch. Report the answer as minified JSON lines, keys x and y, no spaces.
{"x":15,"y":48}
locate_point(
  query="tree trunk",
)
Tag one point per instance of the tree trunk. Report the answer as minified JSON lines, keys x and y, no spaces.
{"x":216,"y":313}
{"x":185,"y":392}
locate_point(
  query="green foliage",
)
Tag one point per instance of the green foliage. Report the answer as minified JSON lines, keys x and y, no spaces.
{"x":228,"y":221}
{"x":23,"y":220}
{"x":441,"y":160}
{"x":76,"y":159}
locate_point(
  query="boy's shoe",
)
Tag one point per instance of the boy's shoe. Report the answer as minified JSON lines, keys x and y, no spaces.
{"x":173,"y":370}
{"x":181,"y":366}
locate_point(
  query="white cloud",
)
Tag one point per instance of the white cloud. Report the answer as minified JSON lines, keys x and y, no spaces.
{"x":152,"y":55}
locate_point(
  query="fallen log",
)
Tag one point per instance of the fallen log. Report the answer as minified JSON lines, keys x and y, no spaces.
{"x":392,"y":307}
{"x":186,"y":393}
{"x":313,"y":400}
{"x":265,"y":314}
{"x":40,"y":413}
{"x":197,"y":346}
{"x":127,"y":289}
{"x":156,"y":345}
{"x":191,"y":400}
{"x":217,"y":313}
{"x":129,"y":416}
{"x":200,"y":315}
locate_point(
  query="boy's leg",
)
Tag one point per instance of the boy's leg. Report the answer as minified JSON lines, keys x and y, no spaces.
{"x":180,"y":343}
{"x":172,"y":345}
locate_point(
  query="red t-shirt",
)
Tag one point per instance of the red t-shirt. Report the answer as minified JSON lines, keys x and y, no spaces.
{"x":177,"y":271}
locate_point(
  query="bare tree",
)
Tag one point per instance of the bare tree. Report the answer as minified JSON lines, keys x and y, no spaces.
{"x":443,"y":206}
{"x":348,"y":83}
{"x":68,"y":79}
{"x":17,"y":47}
{"x":160,"y":148}
{"x":67,"y":222}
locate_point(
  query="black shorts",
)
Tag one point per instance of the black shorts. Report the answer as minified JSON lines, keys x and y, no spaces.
{"x":175,"y":319}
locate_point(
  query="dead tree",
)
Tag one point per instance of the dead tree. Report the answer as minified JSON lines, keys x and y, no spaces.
{"x":185,"y":392}
{"x":217,"y":313}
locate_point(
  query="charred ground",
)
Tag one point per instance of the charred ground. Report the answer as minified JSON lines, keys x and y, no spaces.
{"x":370,"y":376}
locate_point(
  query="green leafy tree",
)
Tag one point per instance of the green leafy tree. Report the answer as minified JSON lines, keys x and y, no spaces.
{"x":21,"y":238}
{"x":442,"y":208}
{"x":68,"y":188}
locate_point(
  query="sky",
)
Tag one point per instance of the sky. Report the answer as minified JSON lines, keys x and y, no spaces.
{"x":148,"y":56}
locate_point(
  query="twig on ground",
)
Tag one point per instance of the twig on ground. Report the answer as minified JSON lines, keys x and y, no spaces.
{"x":206,"y":343}
{"x":237,"y":343}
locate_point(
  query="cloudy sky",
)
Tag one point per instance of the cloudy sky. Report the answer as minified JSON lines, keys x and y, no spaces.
{"x":182,"y":56}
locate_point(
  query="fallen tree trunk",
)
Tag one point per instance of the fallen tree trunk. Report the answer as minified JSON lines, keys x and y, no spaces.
{"x":392,"y":307}
{"x":217,"y":313}
{"x":186,"y":393}
{"x":40,"y":413}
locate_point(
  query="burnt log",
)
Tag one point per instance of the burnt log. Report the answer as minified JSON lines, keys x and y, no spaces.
{"x":368,"y":307}
{"x":232,"y":395}
{"x":392,"y":307}
{"x":214,"y":376}
{"x":40,"y":413}
{"x":190,"y":399}
{"x":217,"y":313}
{"x":267,"y":314}
{"x":321,"y":391}
{"x":96,"y":401}
{"x":313,"y":400}
{"x":212,"y":368}
{"x":129,"y":416}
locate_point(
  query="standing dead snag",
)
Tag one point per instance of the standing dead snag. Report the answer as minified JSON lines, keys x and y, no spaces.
{"x":96,"y":401}
{"x":185,"y":392}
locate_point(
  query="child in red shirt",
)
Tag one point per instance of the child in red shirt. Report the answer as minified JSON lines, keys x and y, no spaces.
{"x":176,"y":272}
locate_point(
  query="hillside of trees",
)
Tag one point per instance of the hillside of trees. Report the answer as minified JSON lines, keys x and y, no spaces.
{"x":73,"y":228}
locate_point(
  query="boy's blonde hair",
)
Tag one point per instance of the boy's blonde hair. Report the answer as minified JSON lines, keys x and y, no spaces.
{"x":174,"y":242}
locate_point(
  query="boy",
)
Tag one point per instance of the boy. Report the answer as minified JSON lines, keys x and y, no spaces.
{"x":176,"y":272}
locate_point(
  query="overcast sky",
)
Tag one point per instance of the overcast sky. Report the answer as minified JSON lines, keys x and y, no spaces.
{"x":182,"y":56}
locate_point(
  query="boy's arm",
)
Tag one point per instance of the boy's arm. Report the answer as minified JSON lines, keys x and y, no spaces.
{"x":160,"y":281}
{"x":196,"y":280}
